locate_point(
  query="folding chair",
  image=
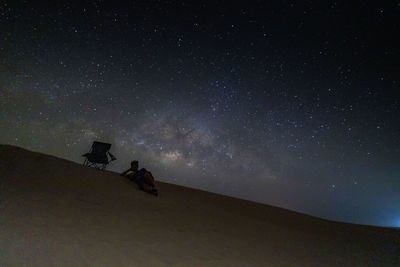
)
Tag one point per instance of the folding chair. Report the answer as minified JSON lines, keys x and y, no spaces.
{"x":98,"y":156}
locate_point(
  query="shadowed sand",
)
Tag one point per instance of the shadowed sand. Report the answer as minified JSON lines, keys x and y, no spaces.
{"x":56,"y":212}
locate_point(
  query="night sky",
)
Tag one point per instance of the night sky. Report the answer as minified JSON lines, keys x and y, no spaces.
{"x":294,"y":104}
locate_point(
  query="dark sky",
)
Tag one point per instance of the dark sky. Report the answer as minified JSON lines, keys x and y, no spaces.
{"x":290,"y":103}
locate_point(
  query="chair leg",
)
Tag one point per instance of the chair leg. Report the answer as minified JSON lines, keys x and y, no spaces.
{"x":101,"y":167}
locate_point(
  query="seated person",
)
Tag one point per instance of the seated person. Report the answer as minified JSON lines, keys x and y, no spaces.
{"x":143,"y":178}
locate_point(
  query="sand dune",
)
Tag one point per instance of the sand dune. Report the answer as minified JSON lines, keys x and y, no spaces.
{"x":56,"y":212}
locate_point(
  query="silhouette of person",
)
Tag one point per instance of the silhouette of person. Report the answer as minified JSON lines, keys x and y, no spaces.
{"x":143,"y":178}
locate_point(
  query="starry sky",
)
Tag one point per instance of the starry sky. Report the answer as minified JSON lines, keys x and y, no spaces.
{"x":290,"y":103}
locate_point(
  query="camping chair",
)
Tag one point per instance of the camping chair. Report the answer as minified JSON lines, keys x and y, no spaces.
{"x":98,"y":156}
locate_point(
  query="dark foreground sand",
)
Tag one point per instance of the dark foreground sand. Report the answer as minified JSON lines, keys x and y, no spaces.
{"x":55,"y":212}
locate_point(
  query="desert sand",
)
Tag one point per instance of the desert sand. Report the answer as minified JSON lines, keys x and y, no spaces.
{"x":54,"y":212}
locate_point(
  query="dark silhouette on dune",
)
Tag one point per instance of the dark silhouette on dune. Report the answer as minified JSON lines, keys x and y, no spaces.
{"x":143,"y":178}
{"x":99,"y":156}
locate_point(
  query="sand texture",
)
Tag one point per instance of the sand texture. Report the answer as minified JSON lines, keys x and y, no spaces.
{"x":54,"y":212}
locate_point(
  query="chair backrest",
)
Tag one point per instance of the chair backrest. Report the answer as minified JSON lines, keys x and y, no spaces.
{"x":99,"y":148}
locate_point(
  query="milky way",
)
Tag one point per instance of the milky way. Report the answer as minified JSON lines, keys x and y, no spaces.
{"x":291,"y":104}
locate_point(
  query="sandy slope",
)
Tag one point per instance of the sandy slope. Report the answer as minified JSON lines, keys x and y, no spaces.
{"x":55,"y":212}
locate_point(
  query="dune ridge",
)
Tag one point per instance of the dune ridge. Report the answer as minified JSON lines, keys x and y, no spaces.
{"x":57,"y":212}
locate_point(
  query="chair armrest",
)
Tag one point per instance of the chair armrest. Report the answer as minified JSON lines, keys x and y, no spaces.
{"x":112,"y":156}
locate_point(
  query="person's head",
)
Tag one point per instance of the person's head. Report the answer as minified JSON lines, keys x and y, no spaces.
{"x":135,"y":165}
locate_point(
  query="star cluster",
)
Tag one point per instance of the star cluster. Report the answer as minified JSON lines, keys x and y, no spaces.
{"x":288,"y":103}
